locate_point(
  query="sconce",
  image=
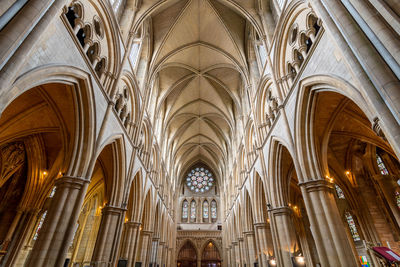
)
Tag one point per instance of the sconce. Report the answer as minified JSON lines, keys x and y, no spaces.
{"x":298,"y":261}
{"x":271,"y":263}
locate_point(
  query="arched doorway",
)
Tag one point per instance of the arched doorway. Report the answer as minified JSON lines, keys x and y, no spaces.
{"x":210,"y":256}
{"x":187,"y":256}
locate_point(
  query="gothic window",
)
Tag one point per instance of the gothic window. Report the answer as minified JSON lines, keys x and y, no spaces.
{"x":39,"y":227}
{"x":352,"y":226}
{"x":53,"y":191}
{"x":185,"y":206}
{"x":397,"y":194}
{"x":339,"y":192}
{"x":193,"y":211}
{"x":199,"y":180}
{"x":134,"y":54}
{"x":205,"y":211}
{"x":381,"y":165}
{"x":213,"y":211}
{"x":262,"y":53}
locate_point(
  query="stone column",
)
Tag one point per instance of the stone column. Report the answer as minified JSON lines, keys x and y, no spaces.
{"x":130,"y":241}
{"x":56,"y":234}
{"x":145,"y":247}
{"x":242,"y":250}
{"x":154,"y":250}
{"x":228,"y":256}
{"x":251,"y":247}
{"x":283,"y":233}
{"x":236,"y":249}
{"x":264,"y":241}
{"x":198,"y":260}
{"x":333,"y":246}
{"x":108,"y":236}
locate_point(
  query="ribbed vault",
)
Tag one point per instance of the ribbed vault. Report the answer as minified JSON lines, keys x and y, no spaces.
{"x":198,"y":71}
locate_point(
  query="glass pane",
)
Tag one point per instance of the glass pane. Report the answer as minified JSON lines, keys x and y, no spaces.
{"x":193,"y":211}
{"x":398,"y":199}
{"x":39,"y":227}
{"x":339,"y":192}
{"x":185,"y":209}
{"x":205,"y":210}
{"x":213,"y":209}
{"x":381,"y":165}
{"x":199,"y":180}
{"x":352,"y":226}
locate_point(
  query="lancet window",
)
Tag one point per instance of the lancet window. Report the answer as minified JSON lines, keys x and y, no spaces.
{"x":381,"y":165}
{"x":205,"y":211}
{"x":193,"y":211}
{"x":352,"y":226}
{"x":185,"y":207}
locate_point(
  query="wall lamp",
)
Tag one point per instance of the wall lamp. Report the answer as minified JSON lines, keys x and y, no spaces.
{"x":298,"y":261}
{"x":271,"y":263}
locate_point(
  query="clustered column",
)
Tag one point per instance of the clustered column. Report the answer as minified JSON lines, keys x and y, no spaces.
{"x":57,"y":232}
{"x":284,"y":234}
{"x":130,"y":241}
{"x":333,"y":246}
{"x":108,"y":236}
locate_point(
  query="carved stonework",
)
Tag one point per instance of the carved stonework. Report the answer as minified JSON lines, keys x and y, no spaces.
{"x":12,"y":158}
{"x":377,"y":129}
{"x":199,"y":239}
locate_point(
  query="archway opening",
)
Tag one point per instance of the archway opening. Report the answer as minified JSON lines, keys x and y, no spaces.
{"x":210,"y":256}
{"x":187,"y":256}
{"x":89,"y":221}
{"x":37,"y":131}
{"x":361,"y":164}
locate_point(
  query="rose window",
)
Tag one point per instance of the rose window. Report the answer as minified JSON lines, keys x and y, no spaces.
{"x":199,"y":180}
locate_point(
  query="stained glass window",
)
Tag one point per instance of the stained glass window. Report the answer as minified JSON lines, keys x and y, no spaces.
{"x":397,"y":199}
{"x":193,"y":211}
{"x":339,"y":192}
{"x":199,"y":180}
{"x":213,"y":210}
{"x":381,"y":165}
{"x":185,"y":206}
{"x":352,"y":226}
{"x":39,"y":227}
{"x":205,"y":211}
{"x":53,"y":191}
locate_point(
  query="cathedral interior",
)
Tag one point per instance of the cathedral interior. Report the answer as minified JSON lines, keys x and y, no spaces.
{"x":199,"y":133}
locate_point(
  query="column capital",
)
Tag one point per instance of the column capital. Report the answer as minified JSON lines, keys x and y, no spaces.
{"x":247,"y":233}
{"x":280,"y":210}
{"x":259,"y":225}
{"x":113,"y":209}
{"x":133,"y":224}
{"x":147,"y":232}
{"x":317,"y":185}
{"x":71,"y":181}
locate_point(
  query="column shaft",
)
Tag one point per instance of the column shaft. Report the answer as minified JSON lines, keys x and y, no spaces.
{"x":107,"y":239}
{"x":333,"y":246}
{"x":55,"y":236}
{"x":283,"y":232}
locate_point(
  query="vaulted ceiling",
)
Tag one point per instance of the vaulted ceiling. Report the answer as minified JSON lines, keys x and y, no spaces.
{"x":199,"y":67}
